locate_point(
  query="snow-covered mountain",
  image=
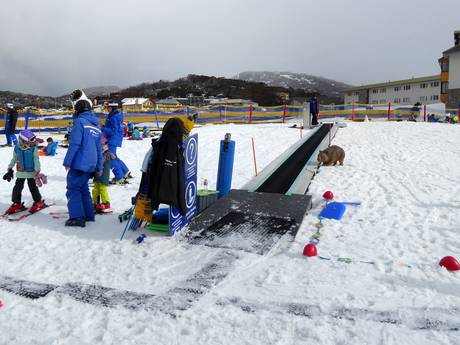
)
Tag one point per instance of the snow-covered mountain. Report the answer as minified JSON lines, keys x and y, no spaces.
{"x":101,"y":90}
{"x":310,"y":83}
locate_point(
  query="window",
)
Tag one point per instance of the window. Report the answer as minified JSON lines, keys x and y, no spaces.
{"x":434,"y":97}
{"x":444,"y":86}
{"x":435,"y":84}
{"x":424,"y":98}
{"x":356,"y":93}
{"x":349,"y":94}
{"x":445,"y":65}
{"x":397,"y":100}
{"x":406,"y":87}
{"x":397,"y":88}
{"x":406,"y":100}
{"x":383,"y":90}
{"x":423,"y":85}
{"x":382,"y":101}
{"x":375,"y":91}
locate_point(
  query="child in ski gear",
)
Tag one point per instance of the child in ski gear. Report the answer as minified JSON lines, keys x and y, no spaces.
{"x":113,"y":131}
{"x":136,"y":135}
{"x":10,"y":125}
{"x":101,"y":198}
{"x":25,"y":157}
{"x":50,"y":149}
{"x":83,"y":159}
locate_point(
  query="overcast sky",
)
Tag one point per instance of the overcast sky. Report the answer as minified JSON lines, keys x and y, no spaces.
{"x":50,"y":47}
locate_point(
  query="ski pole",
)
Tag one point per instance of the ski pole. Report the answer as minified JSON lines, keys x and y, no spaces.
{"x":127,"y":224}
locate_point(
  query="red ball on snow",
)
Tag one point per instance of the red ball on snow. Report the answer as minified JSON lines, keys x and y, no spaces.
{"x":450,"y":263}
{"x":1,"y":303}
{"x":328,"y":195}
{"x":310,"y":250}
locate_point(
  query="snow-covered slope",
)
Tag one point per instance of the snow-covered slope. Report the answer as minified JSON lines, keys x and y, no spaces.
{"x":307,"y":82}
{"x":405,"y":175}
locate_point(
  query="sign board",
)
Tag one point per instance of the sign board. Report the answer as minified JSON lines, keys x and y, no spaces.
{"x":176,"y":221}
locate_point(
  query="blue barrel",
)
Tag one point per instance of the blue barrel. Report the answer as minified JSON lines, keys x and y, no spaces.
{"x":225,"y":171}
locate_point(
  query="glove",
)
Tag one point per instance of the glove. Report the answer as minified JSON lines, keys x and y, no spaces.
{"x":9,"y":175}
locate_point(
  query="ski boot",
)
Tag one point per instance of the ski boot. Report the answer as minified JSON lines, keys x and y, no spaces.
{"x":128,"y":176}
{"x":105,"y":208}
{"x":119,"y":181}
{"x":81,"y":222}
{"x":97,"y":208}
{"x":15,"y":208}
{"x":37,"y":206}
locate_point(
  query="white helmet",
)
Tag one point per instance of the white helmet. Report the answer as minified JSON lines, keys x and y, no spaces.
{"x":79,"y":95}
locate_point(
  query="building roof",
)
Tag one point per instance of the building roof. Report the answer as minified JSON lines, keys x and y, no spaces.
{"x":168,"y":101}
{"x":436,"y":77}
{"x":134,"y":101}
{"x":452,"y":50}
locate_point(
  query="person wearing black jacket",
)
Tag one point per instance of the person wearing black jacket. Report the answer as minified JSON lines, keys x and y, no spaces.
{"x":10,"y":125}
{"x":166,"y":170}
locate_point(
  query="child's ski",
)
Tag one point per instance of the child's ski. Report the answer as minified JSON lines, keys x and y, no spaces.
{"x":25,"y":215}
{"x":6,"y":215}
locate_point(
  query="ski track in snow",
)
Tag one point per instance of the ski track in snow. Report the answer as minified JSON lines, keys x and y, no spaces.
{"x":404,"y":174}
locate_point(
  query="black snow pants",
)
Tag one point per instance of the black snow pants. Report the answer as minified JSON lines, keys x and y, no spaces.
{"x":314,"y":119}
{"x":19,"y":185}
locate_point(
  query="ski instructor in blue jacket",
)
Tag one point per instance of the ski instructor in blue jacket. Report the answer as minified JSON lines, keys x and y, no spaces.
{"x":83,"y":159}
{"x":113,"y":131}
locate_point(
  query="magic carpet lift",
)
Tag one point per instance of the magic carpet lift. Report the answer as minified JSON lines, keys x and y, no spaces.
{"x":271,"y":205}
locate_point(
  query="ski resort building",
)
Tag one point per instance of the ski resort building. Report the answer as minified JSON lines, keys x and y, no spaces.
{"x":137,"y":104}
{"x":450,"y":74}
{"x":425,"y":90}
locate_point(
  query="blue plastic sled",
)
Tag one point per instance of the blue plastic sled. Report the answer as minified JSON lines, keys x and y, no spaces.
{"x":333,"y":210}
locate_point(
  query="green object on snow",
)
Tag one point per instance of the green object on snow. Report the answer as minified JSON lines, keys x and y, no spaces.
{"x":158,"y":227}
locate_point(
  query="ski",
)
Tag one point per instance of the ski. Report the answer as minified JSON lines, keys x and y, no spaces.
{"x":25,"y":215}
{"x":6,"y":215}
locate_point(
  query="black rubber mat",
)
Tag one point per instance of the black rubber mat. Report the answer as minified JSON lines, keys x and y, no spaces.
{"x":282,"y":178}
{"x":177,"y":299}
{"x":252,"y":233}
{"x":249,"y":221}
{"x":420,"y":319}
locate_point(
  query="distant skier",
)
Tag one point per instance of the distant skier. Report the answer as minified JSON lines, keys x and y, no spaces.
{"x":10,"y":125}
{"x":83,"y":159}
{"x":113,"y":131}
{"x":314,"y":110}
{"x":26,"y":159}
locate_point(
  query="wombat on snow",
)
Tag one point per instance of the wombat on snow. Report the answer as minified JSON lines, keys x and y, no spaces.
{"x":331,"y":155}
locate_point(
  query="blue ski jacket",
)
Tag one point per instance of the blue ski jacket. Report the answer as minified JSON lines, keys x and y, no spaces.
{"x":314,"y":106}
{"x":113,"y":128}
{"x":50,"y":149}
{"x":85,"y":146}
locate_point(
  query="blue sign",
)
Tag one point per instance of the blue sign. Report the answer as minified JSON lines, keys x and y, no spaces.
{"x":176,"y":221}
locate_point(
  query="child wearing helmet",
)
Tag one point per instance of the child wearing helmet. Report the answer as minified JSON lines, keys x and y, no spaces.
{"x":26,"y":159}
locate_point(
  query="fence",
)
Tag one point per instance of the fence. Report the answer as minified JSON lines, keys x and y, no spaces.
{"x":389,"y":112}
{"x":58,"y":122}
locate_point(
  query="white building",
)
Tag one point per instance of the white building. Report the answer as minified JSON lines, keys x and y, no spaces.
{"x":450,"y":74}
{"x":424,"y":90}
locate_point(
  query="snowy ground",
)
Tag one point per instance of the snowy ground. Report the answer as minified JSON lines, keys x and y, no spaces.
{"x":405,"y":175}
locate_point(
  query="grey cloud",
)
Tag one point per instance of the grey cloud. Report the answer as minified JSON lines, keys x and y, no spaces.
{"x":49,"y":47}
